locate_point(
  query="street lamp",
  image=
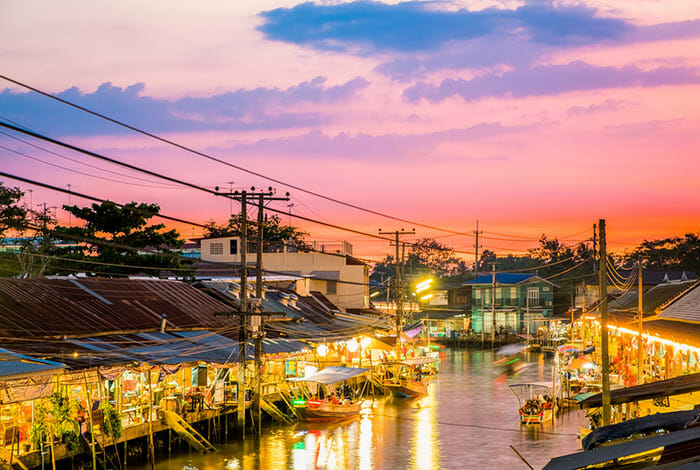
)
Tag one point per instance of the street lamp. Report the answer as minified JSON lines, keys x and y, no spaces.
{"x":423,"y":287}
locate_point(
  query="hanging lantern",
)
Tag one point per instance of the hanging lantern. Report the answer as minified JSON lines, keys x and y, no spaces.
{"x":353,"y":345}
{"x":322,"y":350}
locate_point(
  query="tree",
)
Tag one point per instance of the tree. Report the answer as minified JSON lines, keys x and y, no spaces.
{"x":118,"y":236}
{"x":440,"y":259}
{"x":273,"y":231}
{"x":14,"y":216}
{"x":669,"y":253}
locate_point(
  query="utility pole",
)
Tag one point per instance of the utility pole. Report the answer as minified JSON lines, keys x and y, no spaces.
{"x":603,"y":286}
{"x":70,"y":214}
{"x":493,"y":307}
{"x":595,"y":246}
{"x":230,"y":204}
{"x":476,"y":247}
{"x":398,"y":284}
{"x":289,"y":208}
{"x":243,"y":332}
{"x":244,"y":197}
{"x":640,"y":350}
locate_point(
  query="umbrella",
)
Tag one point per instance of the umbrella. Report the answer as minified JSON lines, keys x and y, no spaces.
{"x":568,"y":348}
{"x":511,"y":349}
{"x":580,"y":363}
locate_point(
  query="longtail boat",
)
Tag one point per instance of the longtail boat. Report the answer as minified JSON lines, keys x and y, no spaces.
{"x":331,"y":408}
{"x":535,"y":404}
{"x":406,"y":379}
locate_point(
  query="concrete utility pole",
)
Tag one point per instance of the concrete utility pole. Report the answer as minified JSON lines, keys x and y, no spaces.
{"x":493,"y":307}
{"x":244,"y":197}
{"x":476,"y":247}
{"x":398,"y":284}
{"x":243,"y":331}
{"x":640,"y":350}
{"x":603,"y":286}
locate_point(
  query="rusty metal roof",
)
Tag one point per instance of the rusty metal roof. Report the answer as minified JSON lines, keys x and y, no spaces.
{"x":78,"y":306}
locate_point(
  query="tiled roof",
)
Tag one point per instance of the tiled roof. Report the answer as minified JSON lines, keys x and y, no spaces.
{"x":652,"y":298}
{"x":685,"y":308}
{"x":505,"y":278}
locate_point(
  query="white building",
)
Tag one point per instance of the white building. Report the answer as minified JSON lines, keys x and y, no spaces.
{"x":343,"y":279}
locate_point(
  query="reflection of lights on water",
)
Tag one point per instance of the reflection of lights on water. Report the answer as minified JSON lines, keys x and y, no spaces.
{"x":424,"y":438}
{"x":365,"y":448}
{"x":231,"y":464}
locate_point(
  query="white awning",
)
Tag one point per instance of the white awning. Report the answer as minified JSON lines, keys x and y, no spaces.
{"x":331,"y":375}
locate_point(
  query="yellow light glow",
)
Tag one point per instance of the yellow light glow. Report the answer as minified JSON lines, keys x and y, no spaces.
{"x":374,"y":294}
{"x":424,"y":285}
{"x":75,"y":354}
{"x":322,"y":350}
{"x":353,"y":345}
{"x":426,"y":297}
{"x":365,"y":342}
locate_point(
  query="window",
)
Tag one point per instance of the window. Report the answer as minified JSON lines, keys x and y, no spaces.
{"x":533,"y":295}
{"x":331,"y":287}
{"x":513,"y":293}
{"x":477,"y":294}
{"x":499,"y":296}
{"x":216,"y":248}
{"x":233,"y":247}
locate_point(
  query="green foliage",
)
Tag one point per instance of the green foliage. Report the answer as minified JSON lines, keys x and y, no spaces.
{"x":13,"y":214}
{"x":669,"y":253}
{"x":112,"y":420}
{"x":436,"y":257}
{"x":273,"y":231}
{"x":118,"y":235}
{"x":54,"y":417}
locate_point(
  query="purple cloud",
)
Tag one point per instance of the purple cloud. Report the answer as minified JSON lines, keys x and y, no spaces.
{"x":608,"y":105}
{"x":243,"y":109}
{"x":551,"y":80}
{"x":317,"y":144}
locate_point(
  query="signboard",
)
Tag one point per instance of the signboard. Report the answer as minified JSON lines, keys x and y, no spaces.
{"x":219,"y":391}
{"x":439,"y":298}
{"x":290,"y":368}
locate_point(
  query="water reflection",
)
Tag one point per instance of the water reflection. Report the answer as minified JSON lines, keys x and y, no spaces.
{"x":468,"y":420}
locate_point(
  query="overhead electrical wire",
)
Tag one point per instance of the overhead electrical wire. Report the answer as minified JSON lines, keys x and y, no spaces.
{"x":251,"y":172}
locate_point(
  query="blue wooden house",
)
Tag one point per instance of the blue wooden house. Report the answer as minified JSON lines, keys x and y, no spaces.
{"x":521,"y":301}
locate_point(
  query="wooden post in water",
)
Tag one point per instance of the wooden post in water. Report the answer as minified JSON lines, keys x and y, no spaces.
{"x":92,"y":429}
{"x":150,"y":421}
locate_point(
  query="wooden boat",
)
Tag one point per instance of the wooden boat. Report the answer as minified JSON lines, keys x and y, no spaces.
{"x":407,"y":388}
{"x":331,"y":408}
{"x":535,"y":405}
{"x":408,"y":379}
{"x":325,"y":411}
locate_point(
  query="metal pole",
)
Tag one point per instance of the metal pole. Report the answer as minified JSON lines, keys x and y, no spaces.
{"x":493,"y":307}
{"x":257,"y":405}
{"x":640,"y":350}
{"x":603,"y":286}
{"x":242,"y":336}
{"x":399,"y":299}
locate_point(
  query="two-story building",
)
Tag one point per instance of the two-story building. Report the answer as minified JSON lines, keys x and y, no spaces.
{"x":521,"y":301}
{"x":333,"y":271}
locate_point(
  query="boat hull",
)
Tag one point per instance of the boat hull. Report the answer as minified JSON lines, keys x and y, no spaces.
{"x":407,"y":389}
{"x":328,"y":412}
{"x":535,"y":418}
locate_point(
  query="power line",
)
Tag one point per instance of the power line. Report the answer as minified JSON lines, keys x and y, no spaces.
{"x":246,"y":170}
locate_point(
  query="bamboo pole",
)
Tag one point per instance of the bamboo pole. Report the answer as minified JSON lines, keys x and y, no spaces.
{"x":150,"y":422}
{"x":92,"y":429}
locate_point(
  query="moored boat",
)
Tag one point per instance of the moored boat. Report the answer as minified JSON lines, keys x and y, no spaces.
{"x":334,"y":406}
{"x":535,"y":405}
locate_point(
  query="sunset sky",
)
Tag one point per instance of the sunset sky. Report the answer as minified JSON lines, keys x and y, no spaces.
{"x":531,"y":116}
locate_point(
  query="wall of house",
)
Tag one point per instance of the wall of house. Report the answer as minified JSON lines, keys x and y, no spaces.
{"x":511,"y":306}
{"x":346,"y":285}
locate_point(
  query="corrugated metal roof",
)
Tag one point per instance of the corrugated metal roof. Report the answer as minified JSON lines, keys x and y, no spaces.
{"x":603,"y":455}
{"x":685,"y":308}
{"x":652,"y":298}
{"x":53,"y":307}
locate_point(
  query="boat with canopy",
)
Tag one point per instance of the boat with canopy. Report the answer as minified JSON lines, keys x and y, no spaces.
{"x":409,"y":377}
{"x":335,"y":405}
{"x":535,"y":404}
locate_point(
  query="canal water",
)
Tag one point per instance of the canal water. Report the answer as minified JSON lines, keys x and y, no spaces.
{"x":468,"y":420}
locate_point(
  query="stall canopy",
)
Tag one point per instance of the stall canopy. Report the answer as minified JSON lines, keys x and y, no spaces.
{"x":331,"y":375}
{"x":678,"y":443}
{"x":418,"y":361}
{"x":663,"y":388}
